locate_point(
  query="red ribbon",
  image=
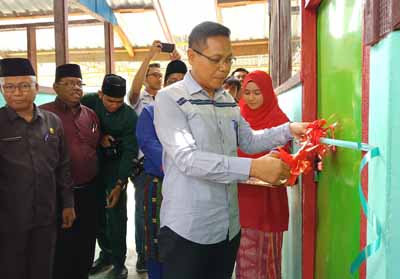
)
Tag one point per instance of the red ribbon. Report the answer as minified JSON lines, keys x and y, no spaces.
{"x":311,"y":148}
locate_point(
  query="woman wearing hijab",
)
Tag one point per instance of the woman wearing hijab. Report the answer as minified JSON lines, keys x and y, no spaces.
{"x":264,"y":212}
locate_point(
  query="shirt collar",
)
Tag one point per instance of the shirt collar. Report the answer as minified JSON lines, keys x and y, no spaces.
{"x":194,"y":87}
{"x":63,"y":106}
{"x":147,"y":94}
{"x":13,"y":115}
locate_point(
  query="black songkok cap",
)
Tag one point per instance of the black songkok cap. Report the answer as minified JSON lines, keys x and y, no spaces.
{"x":173,"y":67}
{"x":10,"y":67}
{"x":68,"y":70}
{"x":114,"y":86}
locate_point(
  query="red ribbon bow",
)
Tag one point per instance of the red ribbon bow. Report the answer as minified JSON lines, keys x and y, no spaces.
{"x":311,"y":148}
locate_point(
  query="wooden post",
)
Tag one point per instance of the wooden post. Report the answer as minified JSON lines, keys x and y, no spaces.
{"x":309,"y":77}
{"x":32,"y":52}
{"x":280,"y":52}
{"x":109,"y":47}
{"x":61,"y":31}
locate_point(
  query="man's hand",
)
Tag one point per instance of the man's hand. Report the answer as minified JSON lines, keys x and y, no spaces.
{"x":106,"y":141}
{"x":154,"y":49}
{"x":174,"y":55}
{"x":270,"y":169}
{"x":68,"y":216}
{"x":113,"y":197}
{"x":298,"y":129}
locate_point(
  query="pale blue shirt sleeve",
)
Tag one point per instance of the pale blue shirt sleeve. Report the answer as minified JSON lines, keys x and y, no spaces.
{"x":178,"y":142}
{"x":251,"y":141}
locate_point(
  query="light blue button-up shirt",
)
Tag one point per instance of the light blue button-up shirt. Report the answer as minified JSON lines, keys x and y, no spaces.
{"x":200,"y":137}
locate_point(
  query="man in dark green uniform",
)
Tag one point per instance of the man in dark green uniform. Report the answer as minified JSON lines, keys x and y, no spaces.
{"x":117,"y":151}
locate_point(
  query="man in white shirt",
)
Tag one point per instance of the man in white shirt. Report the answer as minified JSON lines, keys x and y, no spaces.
{"x":149,"y":75}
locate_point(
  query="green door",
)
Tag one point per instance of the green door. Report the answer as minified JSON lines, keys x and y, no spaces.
{"x":339,"y":99}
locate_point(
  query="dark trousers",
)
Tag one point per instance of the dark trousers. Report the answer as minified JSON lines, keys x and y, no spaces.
{"x":27,"y":255}
{"x":111,"y":234}
{"x":139,"y":182}
{"x":184,"y":259}
{"x":75,"y":246}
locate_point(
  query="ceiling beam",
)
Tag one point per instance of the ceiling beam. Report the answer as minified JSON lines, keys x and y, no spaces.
{"x":218,"y":12}
{"x":86,"y":10}
{"x":235,"y":3}
{"x":239,"y":48}
{"x":38,"y":25}
{"x":133,"y":10}
{"x":124,"y":40}
{"x":117,"y":29}
{"x":37,"y":15}
{"x":163,"y":21}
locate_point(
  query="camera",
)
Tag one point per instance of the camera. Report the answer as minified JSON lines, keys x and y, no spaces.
{"x":166,"y":47}
{"x":138,"y":167}
{"x":113,"y":152}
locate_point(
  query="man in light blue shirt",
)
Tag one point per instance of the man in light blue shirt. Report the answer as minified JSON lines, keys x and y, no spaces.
{"x":200,"y":128}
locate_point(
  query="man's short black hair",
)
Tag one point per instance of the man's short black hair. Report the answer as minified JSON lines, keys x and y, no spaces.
{"x":200,"y":33}
{"x":232,"y":81}
{"x":239,"y":70}
{"x":152,"y":65}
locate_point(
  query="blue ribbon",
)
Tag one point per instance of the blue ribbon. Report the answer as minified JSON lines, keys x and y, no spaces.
{"x":372,"y":152}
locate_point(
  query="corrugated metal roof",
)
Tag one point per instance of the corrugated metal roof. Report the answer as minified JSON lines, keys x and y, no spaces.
{"x":130,"y":4}
{"x":246,"y":22}
{"x":12,"y":7}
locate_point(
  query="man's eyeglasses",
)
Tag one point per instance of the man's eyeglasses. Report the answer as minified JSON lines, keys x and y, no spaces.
{"x":155,"y":74}
{"x":22,"y":87}
{"x":72,"y":84}
{"x":227,"y":61}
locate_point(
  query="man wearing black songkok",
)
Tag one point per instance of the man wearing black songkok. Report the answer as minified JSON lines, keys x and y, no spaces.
{"x":176,"y":70}
{"x":75,"y":247}
{"x":34,"y":169}
{"x":116,"y":153}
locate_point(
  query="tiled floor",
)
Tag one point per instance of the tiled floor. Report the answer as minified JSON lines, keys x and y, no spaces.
{"x":130,"y":241}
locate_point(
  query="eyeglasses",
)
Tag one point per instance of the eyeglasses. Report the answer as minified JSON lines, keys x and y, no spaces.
{"x":155,"y":74}
{"x":227,"y":61}
{"x":22,"y":87}
{"x":72,"y":84}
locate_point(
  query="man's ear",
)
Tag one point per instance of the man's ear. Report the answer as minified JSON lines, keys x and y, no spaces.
{"x":190,"y":55}
{"x":100,"y":93}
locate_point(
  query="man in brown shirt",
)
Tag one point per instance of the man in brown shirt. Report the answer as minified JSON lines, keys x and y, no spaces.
{"x":34,"y":169}
{"x":75,"y":246}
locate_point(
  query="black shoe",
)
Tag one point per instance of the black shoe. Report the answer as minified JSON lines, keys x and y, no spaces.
{"x":119,"y":272}
{"x":141,"y":266}
{"x":100,"y":265}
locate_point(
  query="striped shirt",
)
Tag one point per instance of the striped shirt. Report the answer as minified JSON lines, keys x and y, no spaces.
{"x":200,"y":137}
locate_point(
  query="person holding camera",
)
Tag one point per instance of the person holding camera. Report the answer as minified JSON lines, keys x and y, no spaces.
{"x":150,"y":75}
{"x":152,"y":149}
{"x":116,"y":154}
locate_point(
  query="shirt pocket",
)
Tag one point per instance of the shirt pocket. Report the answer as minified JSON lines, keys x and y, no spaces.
{"x":11,"y":148}
{"x":89,"y":133}
{"x":231,"y":131}
{"x":50,"y":148}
